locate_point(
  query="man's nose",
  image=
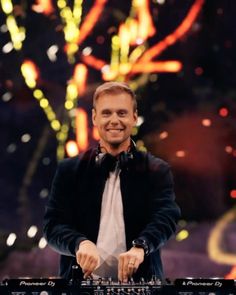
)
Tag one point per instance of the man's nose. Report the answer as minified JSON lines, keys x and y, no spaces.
{"x":114,"y":118}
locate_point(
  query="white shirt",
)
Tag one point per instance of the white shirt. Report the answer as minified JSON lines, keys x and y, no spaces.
{"x":111,"y":239}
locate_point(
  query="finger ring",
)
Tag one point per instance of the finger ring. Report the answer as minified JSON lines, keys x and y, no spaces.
{"x":131,"y":263}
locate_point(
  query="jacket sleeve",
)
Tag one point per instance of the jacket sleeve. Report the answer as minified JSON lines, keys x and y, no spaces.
{"x":165,"y":213}
{"x":59,"y":228}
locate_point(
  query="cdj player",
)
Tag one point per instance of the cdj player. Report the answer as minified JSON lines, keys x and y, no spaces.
{"x":58,"y":286}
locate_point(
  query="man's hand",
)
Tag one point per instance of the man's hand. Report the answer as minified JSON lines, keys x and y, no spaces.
{"x":87,"y":257}
{"x":129,"y":263}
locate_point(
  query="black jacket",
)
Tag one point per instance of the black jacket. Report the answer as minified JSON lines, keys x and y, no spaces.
{"x":73,"y":211}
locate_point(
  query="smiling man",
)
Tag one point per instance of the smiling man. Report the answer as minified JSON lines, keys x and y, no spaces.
{"x":112,"y":208}
{"x":114,"y":114}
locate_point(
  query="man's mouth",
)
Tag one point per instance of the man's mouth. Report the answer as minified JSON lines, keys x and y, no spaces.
{"x":114,"y":130}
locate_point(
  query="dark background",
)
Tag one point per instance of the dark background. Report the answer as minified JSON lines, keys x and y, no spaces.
{"x":205,"y":177}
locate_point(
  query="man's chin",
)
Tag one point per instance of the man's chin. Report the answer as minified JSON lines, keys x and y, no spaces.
{"x":115,"y":143}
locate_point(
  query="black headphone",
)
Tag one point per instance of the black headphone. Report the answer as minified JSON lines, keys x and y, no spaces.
{"x":109,"y":163}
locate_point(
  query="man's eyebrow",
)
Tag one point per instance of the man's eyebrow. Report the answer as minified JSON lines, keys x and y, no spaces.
{"x":117,"y":111}
{"x":105,"y":110}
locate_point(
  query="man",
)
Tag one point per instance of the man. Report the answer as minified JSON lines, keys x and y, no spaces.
{"x":112,"y":208}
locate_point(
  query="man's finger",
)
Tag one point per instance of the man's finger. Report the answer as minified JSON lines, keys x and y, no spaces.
{"x":120,"y":268}
{"x":82,"y":259}
{"x":88,"y":274}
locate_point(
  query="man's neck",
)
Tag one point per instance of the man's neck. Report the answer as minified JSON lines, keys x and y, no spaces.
{"x":115,"y":149}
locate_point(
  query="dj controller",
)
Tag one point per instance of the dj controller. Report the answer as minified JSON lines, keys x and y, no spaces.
{"x":58,"y":286}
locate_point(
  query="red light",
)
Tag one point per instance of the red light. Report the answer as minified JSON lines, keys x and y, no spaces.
{"x":228,"y":149}
{"x":233,"y":194}
{"x":163,"y":135}
{"x":206,"y":122}
{"x":223,"y":112}
{"x":180,"y":154}
{"x":199,"y":71}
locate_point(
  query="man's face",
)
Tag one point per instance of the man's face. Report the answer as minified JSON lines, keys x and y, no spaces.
{"x":114,"y":117}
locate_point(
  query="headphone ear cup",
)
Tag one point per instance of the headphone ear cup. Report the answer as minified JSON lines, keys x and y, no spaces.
{"x":106,"y":162}
{"x":124,"y":159}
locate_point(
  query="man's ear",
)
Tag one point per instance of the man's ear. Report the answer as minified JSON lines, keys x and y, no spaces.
{"x":136,"y":116}
{"x":94,"y":117}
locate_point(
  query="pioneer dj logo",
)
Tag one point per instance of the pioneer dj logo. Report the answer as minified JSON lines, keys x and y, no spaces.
{"x":24,"y":283}
{"x":190,"y":283}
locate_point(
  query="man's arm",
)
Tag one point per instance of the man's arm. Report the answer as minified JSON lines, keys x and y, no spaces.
{"x":165,"y":213}
{"x":59,"y":228}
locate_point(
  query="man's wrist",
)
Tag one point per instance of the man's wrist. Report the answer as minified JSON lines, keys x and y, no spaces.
{"x":79,"y":243}
{"x":141,"y":243}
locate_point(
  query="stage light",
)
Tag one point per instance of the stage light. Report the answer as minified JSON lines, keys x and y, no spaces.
{"x":44,"y":103}
{"x":7,"y":47}
{"x":161,"y":2}
{"x":223,"y":112}
{"x":134,"y":131}
{"x":11,"y":148}
{"x":25,"y":137}
{"x":32,"y":231}
{"x":206,"y":122}
{"x":233,"y":194}
{"x":71,"y":19}
{"x":55,"y":124}
{"x":42,"y":243}
{"x":3,"y":28}
{"x":90,"y":20}
{"x":181,"y":30}
{"x":43,"y":193}
{"x":182,"y":235}
{"x":61,"y":3}
{"x":69,"y":105}
{"x":43,"y":6}
{"x":51,"y":53}
{"x":30,"y":73}
{"x":140,"y":121}
{"x":142,"y":149}
{"x":180,"y":154}
{"x":87,"y":51}
{"x":80,"y":78}
{"x":81,"y":121}
{"x":228,"y":149}
{"x":7,"y":96}
{"x":72,"y":91}
{"x":38,"y":94}
{"x":163,"y":135}
{"x":232,"y":274}
{"x":11,"y":239}
{"x":198,"y":71}
{"x":7,"y":6}
{"x":61,"y":136}
{"x":72,"y":148}
{"x":139,"y":143}
{"x":171,"y":66}
{"x":95,"y":133}
{"x":17,"y":33}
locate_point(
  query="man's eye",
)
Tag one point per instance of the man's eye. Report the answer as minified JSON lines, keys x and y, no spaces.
{"x":122,"y":113}
{"x":106,"y":113}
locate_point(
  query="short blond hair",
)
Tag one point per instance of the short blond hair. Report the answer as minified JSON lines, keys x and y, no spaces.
{"x":114,"y":88}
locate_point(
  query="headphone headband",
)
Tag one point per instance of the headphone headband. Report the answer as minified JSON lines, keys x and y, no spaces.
{"x":109,"y":162}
